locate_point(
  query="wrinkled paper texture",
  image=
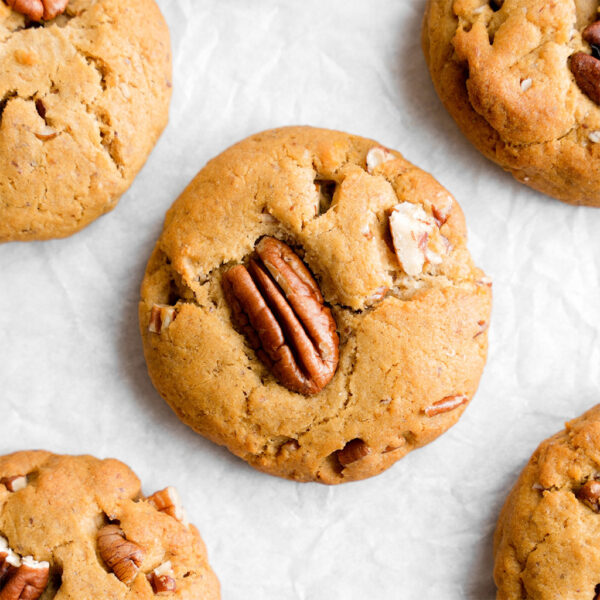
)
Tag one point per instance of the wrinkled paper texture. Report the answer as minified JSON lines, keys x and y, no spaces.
{"x":73,"y":377}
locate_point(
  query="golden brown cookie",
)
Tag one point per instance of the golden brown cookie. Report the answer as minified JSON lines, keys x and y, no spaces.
{"x":83,"y":99}
{"x":311,"y":305}
{"x":78,"y":527}
{"x":519,"y":79}
{"x":547,"y":542}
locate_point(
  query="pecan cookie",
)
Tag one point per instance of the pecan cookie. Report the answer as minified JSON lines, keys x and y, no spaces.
{"x":546,"y":543}
{"x":79,"y":527}
{"x":311,"y":304}
{"x":83,"y":99}
{"x":522,"y":80}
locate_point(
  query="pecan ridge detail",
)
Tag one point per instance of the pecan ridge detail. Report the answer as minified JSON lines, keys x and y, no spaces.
{"x":122,"y":557}
{"x":586,"y":67}
{"x":38,"y":10}
{"x":277,"y":305}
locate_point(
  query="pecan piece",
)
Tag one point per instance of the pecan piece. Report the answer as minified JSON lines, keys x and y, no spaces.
{"x":277,"y":304}
{"x":9,"y":562}
{"x":168,"y":501}
{"x":589,"y":494}
{"x":354,"y":450}
{"x":38,"y":10}
{"x":416,"y":237}
{"x":376,"y":157}
{"x":161,"y":316}
{"x":586,"y":70}
{"x":14,"y":483}
{"x":26,"y":582}
{"x":162,"y":579}
{"x":591,"y":34}
{"x":445,"y":405}
{"x":122,"y":556}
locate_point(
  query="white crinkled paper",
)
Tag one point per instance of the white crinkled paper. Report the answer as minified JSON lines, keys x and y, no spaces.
{"x":72,"y":374}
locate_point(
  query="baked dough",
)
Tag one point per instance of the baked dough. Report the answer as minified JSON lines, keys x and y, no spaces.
{"x":411,"y":347}
{"x":502,"y":69}
{"x":52,"y":509}
{"x":83,"y":99}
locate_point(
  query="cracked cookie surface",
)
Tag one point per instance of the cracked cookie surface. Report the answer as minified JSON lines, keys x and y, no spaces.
{"x":83,"y":100}
{"x":547,"y":542}
{"x":406,"y":342}
{"x":62,"y":503}
{"x":503,"y":69}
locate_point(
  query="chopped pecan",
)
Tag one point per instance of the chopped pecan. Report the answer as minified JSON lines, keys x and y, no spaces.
{"x":161,"y":316}
{"x":354,"y":450}
{"x":445,"y":405}
{"x":162,"y":579}
{"x":46,"y":133}
{"x":26,"y":582}
{"x":9,"y":561}
{"x":483,"y":327}
{"x":589,"y":494}
{"x":586,"y":70}
{"x":14,"y":483}
{"x":21,"y":578}
{"x":376,"y":157}
{"x":122,"y":556}
{"x":168,"y":501}
{"x":277,"y":304}
{"x":416,"y":237}
{"x":38,"y":10}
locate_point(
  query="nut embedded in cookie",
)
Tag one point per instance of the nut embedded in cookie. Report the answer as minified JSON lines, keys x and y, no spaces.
{"x":169,"y":502}
{"x":161,"y":317}
{"x":589,"y":494}
{"x":162,"y":579}
{"x":38,"y":10}
{"x":21,"y":578}
{"x":353,"y":451}
{"x":446,"y":404}
{"x":122,"y":557}
{"x":14,"y":483}
{"x":277,"y":303}
{"x":416,"y":238}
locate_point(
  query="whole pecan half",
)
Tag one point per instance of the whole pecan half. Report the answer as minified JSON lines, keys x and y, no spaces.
{"x":122,"y":556}
{"x":586,"y":70}
{"x":26,"y":582}
{"x":39,"y":10}
{"x":277,"y":304}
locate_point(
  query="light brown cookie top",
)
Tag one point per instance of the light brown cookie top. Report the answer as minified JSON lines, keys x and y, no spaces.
{"x":506,"y":70}
{"x":411,"y":346}
{"x":83,"y":99}
{"x":78,"y":527}
{"x":547,"y":543}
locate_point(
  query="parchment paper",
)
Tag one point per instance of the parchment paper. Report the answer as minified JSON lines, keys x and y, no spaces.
{"x":72,"y":374}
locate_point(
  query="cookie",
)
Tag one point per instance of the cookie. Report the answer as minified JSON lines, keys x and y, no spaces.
{"x":311,"y":305}
{"x":518,"y":78}
{"x":83,"y":99}
{"x":78,"y":527}
{"x":546,"y":543}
